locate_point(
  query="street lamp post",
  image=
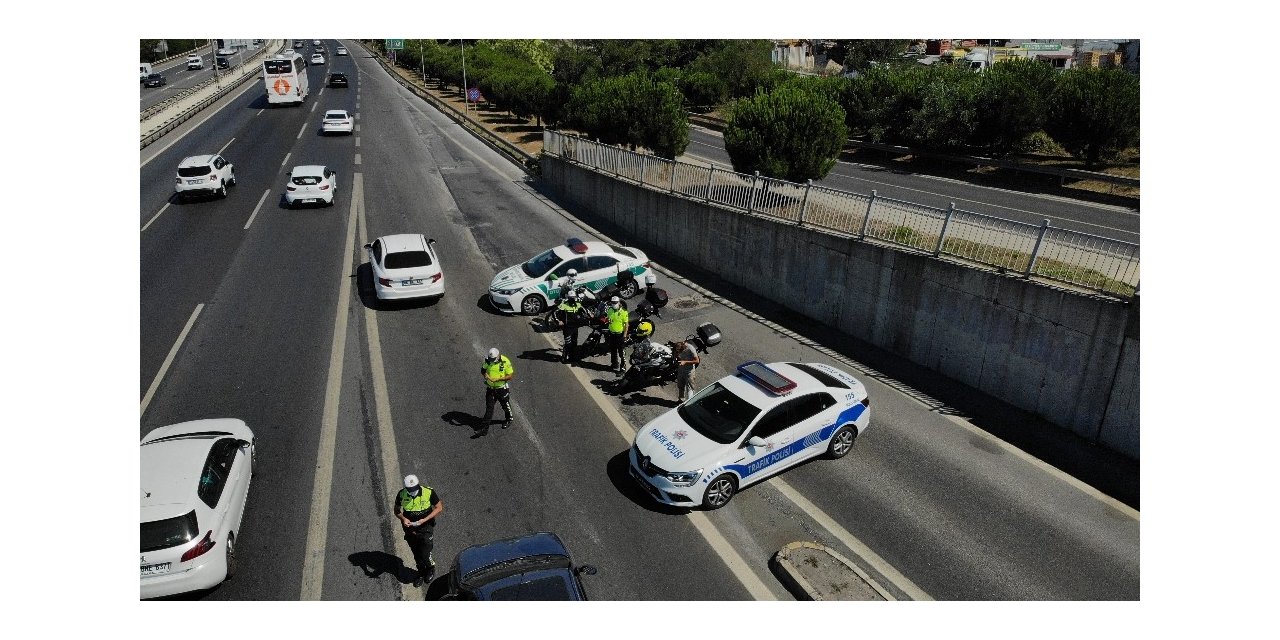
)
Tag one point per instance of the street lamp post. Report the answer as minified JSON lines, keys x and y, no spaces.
{"x":466,"y":97}
{"x":217,"y":76}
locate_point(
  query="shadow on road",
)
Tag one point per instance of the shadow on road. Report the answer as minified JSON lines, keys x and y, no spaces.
{"x":479,"y":428}
{"x":375,"y":564}
{"x":618,"y":471}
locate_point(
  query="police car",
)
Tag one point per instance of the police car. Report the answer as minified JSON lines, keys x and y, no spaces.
{"x":531,"y":287}
{"x":747,"y":427}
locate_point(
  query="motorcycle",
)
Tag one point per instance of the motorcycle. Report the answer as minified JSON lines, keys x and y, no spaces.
{"x":642,"y":325}
{"x":657,"y":362}
{"x":586,"y":297}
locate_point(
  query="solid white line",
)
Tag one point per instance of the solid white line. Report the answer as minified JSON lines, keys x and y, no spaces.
{"x":382,"y":411}
{"x":304,"y":128}
{"x":224,"y":147}
{"x":153,"y":218}
{"x":286,"y":158}
{"x":213,"y":113}
{"x":255,"y":209}
{"x":863,"y":551}
{"x":173,"y":353}
{"x":322,"y":486}
{"x":357,"y":158}
{"x":730,"y":556}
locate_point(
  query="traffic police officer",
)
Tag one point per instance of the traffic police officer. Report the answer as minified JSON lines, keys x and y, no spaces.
{"x":416,"y":506}
{"x":567,"y":316}
{"x":497,"y":371}
{"x":619,"y":325}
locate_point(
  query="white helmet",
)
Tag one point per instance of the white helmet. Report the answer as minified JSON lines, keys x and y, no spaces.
{"x":573,"y":272}
{"x":493,"y":354}
{"x":651,"y":279}
{"x":572,"y":295}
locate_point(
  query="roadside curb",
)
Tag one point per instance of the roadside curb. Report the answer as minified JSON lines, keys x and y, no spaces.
{"x":811,"y":571}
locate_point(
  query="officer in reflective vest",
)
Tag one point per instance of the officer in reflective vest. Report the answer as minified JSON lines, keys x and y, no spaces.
{"x":567,"y":315}
{"x":619,"y":325}
{"x":497,"y":371}
{"x":416,"y":506}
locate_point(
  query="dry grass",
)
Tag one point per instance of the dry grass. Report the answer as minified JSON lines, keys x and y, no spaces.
{"x":525,"y":134}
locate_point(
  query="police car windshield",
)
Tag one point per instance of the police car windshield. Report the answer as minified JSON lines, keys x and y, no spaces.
{"x":718,"y":414}
{"x":539,"y":266}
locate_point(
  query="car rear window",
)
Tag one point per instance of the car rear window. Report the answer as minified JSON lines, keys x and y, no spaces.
{"x":279,"y":66}
{"x":163,"y":534}
{"x":407,"y":260}
{"x":191,"y":172}
{"x":335,"y":116}
{"x":820,"y":375}
{"x":544,"y":589}
{"x":306,"y":180}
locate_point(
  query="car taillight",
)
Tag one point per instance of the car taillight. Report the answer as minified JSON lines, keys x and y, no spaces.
{"x":436,"y":277}
{"x":323,"y":187}
{"x":290,"y":188}
{"x":200,"y":549}
{"x":386,"y":282}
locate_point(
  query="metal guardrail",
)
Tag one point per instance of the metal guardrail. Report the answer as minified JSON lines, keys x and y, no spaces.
{"x":173,"y":99}
{"x":1098,"y":264}
{"x":977,"y":161}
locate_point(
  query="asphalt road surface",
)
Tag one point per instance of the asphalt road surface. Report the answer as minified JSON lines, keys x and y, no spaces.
{"x":279,"y":327}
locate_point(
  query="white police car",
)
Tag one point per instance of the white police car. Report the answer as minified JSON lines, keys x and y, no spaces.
{"x":531,"y":287}
{"x":747,"y":427}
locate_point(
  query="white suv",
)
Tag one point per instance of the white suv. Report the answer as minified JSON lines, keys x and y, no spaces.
{"x":200,"y":175}
{"x":194,"y":62}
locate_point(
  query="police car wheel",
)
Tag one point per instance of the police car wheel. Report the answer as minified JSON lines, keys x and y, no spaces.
{"x":629,"y":290}
{"x":841,"y":443}
{"x":532,"y":305}
{"x":719,"y":492}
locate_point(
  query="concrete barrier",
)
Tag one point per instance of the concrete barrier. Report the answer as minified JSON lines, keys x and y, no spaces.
{"x":1067,"y":357}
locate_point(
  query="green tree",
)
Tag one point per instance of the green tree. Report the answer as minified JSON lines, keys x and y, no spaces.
{"x":742,"y":64}
{"x":539,"y":53}
{"x":634,"y":109}
{"x":859,"y":54}
{"x":1093,"y":113}
{"x":948,"y":113}
{"x":880,"y":103}
{"x":1012,"y":104}
{"x":793,"y":133}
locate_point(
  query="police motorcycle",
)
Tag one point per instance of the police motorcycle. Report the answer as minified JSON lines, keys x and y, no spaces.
{"x":652,"y":362}
{"x":586,"y":297}
{"x":642,"y":325}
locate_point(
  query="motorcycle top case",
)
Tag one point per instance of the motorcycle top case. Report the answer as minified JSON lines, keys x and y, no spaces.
{"x":709,"y":333}
{"x":656,"y":297}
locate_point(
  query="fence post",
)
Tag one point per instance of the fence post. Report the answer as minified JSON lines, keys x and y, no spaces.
{"x":804,"y":202}
{"x":643,"y":166}
{"x":751,"y":203}
{"x":951,"y":210}
{"x":710,"y":173}
{"x":672,"y":186}
{"x":867,"y":218}
{"x":1035,"y":253}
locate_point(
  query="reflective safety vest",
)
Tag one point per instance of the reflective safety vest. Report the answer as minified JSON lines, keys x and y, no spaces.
{"x":415,"y":505}
{"x":570,"y":307}
{"x":498,"y":369}
{"x":618,"y":319}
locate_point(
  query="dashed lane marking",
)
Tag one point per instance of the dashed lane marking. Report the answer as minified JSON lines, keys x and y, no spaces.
{"x":168,"y":360}
{"x":255,"y":209}
{"x":224,"y":147}
{"x":153,"y":218}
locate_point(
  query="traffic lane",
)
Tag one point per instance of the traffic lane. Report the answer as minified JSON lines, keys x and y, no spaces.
{"x":178,"y":79}
{"x":1105,"y":221}
{"x":558,"y":467}
{"x":260,"y":352}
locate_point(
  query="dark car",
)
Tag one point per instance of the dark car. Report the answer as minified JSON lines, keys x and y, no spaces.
{"x":154,"y":80}
{"x":224,"y":62}
{"x":337,"y":79}
{"x":531,"y":567}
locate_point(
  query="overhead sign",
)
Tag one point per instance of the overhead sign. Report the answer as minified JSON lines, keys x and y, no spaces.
{"x":394,"y":45}
{"x":1041,"y":46}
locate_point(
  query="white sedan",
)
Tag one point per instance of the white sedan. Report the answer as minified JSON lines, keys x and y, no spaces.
{"x":342,"y":51}
{"x":534,"y":286}
{"x":747,"y":427}
{"x":195,"y":482}
{"x":337,"y":121}
{"x":309,"y":184}
{"x":405,"y":266}
{"x":317,"y":58}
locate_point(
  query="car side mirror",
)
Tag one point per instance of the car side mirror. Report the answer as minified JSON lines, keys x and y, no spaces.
{"x":552,"y":278}
{"x":431,"y":240}
{"x":756,"y":441}
{"x":586,"y":568}
{"x":368,"y":245}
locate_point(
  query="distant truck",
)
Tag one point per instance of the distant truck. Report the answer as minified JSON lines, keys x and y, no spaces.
{"x":144,"y":70}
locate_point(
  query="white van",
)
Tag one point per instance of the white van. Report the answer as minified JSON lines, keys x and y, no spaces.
{"x":144,"y":70}
{"x":194,"y":62}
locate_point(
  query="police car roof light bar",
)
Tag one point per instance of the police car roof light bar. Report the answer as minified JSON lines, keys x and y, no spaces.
{"x":576,"y":245}
{"x":770,"y":380}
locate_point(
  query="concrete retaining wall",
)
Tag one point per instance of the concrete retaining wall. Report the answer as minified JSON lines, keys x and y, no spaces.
{"x":1070,"y":358}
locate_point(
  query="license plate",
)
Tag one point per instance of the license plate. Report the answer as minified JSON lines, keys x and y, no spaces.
{"x":194,"y":181}
{"x":410,"y":282}
{"x":155,"y":569}
{"x":308,"y":199}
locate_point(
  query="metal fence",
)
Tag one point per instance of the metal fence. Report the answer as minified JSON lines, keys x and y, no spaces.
{"x":1092,"y":262}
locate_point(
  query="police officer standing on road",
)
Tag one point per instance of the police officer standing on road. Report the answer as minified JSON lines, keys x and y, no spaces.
{"x":416,"y":506}
{"x":567,"y":316}
{"x":619,"y":326}
{"x":497,"y":371}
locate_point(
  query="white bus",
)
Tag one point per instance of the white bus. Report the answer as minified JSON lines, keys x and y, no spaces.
{"x":285,"y":77}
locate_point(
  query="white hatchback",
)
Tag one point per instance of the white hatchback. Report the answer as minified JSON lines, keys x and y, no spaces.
{"x":194,"y":62}
{"x":310,"y":184}
{"x":317,"y":58}
{"x":405,"y":266}
{"x":204,"y":175}
{"x":195,"y":482}
{"x":342,"y":51}
{"x":337,"y":121}
{"x":747,"y":427}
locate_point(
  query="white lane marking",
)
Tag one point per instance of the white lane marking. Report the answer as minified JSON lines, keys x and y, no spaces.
{"x":213,"y":113}
{"x":168,"y":360}
{"x":357,"y":127}
{"x":730,"y":556}
{"x":314,"y":105}
{"x":224,"y":147}
{"x":382,"y":411}
{"x":321,"y":92}
{"x":357,"y":158}
{"x":259,"y":112}
{"x":862,"y":550}
{"x":255,"y":209}
{"x":304,"y":128}
{"x":153,"y":218}
{"x":357,"y":141}
{"x":322,"y":486}
{"x":286,"y":158}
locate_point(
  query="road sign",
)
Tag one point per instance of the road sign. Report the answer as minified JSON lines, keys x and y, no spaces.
{"x":473,"y":94}
{"x":393,"y":45}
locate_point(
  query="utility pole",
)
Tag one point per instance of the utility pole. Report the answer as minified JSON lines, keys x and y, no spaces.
{"x":466,"y":97}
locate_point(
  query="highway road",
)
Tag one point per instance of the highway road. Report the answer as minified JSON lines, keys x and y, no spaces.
{"x":255,"y":311}
{"x":706,"y":146}
{"x":179,"y":78}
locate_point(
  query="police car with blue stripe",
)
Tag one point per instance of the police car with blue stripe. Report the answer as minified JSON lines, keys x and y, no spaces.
{"x":747,"y":427}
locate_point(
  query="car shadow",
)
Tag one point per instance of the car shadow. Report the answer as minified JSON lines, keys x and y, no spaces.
{"x":618,"y":470}
{"x":642,"y":400}
{"x":484,"y":304}
{"x":479,"y":428}
{"x":375,"y":564}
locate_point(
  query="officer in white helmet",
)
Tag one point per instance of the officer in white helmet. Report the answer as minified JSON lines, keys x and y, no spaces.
{"x":416,"y":507}
{"x":497,"y":372}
